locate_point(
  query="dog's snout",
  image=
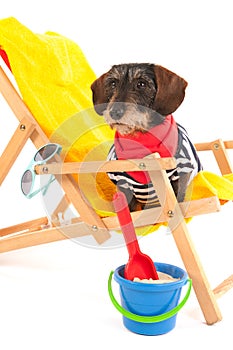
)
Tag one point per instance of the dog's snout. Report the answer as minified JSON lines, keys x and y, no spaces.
{"x":117,"y":111}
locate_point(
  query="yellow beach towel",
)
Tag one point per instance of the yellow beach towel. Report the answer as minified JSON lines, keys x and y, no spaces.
{"x":54,"y":79}
{"x":51,"y":71}
{"x":206,"y":184}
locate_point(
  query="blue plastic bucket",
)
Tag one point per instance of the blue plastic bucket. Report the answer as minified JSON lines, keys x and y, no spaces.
{"x":150,"y":309}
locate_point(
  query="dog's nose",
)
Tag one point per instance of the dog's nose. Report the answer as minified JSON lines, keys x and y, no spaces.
{"x":117,"y":111}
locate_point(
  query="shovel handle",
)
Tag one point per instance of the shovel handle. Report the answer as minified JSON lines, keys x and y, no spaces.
{"x":125,"y":219}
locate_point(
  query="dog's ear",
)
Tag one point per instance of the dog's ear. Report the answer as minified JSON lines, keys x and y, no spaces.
{"x":98,"y":95}
{"x":170,"y":90}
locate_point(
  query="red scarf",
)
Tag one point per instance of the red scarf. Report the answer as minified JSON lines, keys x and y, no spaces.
{"x":162,"y":138}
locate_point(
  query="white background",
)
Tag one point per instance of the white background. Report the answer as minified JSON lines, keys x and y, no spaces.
{"x":55,"y":296}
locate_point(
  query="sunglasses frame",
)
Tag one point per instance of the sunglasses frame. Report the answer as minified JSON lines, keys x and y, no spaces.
{"x":31,"y":167}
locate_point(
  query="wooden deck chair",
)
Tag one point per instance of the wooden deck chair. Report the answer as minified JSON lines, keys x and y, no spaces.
{"x":88,"y":222}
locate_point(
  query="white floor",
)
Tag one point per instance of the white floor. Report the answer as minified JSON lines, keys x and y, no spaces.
{"x":55,"y":296}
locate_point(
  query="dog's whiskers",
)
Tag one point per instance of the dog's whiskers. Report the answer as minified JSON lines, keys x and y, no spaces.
{"x":128,"y":117}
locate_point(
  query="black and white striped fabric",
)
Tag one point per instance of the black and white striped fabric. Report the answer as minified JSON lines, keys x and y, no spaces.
{"x":187,"y":162}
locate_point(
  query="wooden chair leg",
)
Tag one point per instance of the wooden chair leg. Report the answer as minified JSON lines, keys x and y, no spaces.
{"x":42,"y":236}
{"x":204,"y":293}
{"x":60,"y":209}
{"x":223,"y":287}
{"x":221,"y":157}
{"x":31,"y":225}
{"x":87,"y":213}
{"x":219,"y":149}
{"x":185,"y":246}
{"x":14,"y":147}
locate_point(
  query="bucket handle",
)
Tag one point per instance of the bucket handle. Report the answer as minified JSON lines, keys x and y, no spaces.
{"x":147,"y":319}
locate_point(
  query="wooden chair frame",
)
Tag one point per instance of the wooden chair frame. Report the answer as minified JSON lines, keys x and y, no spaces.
{"x":39,"y":231}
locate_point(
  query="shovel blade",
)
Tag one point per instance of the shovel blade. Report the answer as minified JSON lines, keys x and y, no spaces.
{"x":141,"y":266}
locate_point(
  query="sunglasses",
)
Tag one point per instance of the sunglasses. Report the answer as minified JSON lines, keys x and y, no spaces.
{"x":45,"y":154}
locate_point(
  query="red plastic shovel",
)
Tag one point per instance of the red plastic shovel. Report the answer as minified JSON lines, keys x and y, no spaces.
{"x":139,"y":265}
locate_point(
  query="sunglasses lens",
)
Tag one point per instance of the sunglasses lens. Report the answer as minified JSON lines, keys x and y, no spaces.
{"x":45,"y":152}
{"x":26,"y":182}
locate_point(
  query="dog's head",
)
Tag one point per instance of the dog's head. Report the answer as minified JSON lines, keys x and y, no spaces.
{"x":137,"y":96}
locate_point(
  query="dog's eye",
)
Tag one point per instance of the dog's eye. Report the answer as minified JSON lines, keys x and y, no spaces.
{"x":141,"y":84}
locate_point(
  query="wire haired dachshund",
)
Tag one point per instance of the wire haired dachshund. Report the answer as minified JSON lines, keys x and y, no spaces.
{"x":137,"y":100}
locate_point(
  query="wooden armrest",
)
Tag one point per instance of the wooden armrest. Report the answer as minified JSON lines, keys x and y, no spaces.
{"x":144,"y":164}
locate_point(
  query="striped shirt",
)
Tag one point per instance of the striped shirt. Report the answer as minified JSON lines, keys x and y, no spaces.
{"x":187,"y":162}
